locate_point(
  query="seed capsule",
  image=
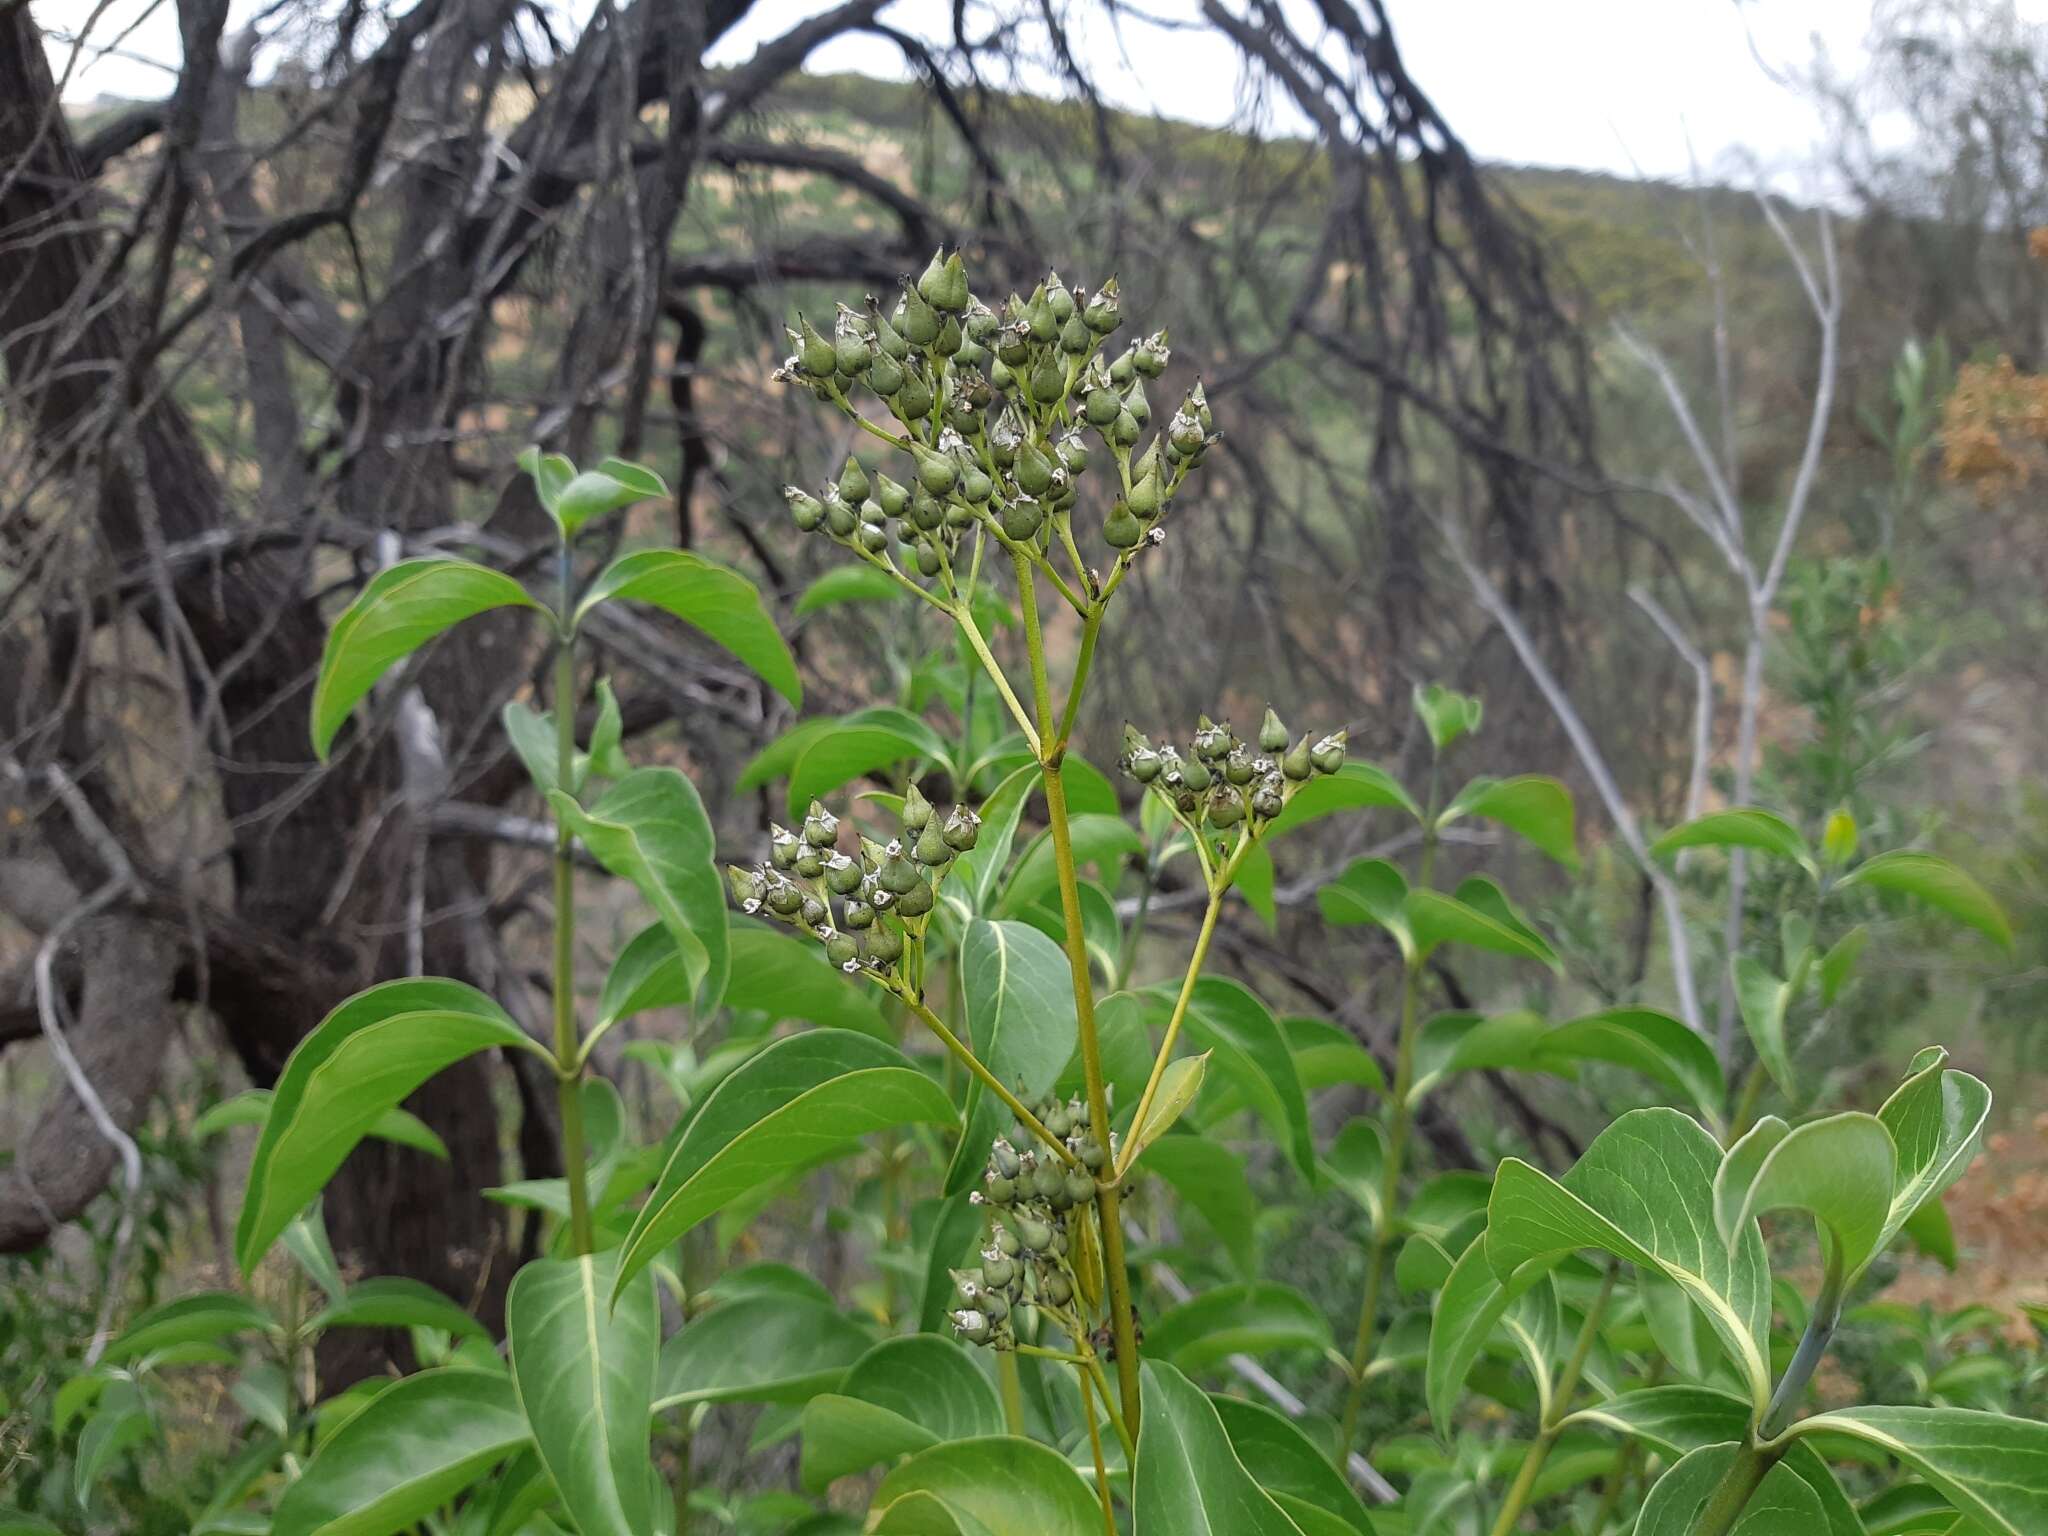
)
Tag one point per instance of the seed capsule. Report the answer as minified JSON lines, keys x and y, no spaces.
{"x":1047,"y":1180}
{"x":1004,"y":1244}
{"x":885,"y":375}
{"x":842,"y":875}
{"x":1267,"y":800}
{"x":918,"y":321}
{"x":814,"y":351}
{"x":897,"y":875}
{"x":1295,"y":763}
{"x":1101,"y":407}
{"x":1237,"y":767}
{"x":784,"y":899}
{"x":1033,"y":471}
{"x":1103,"y":314}
{"x":972,"y":1326}
{"x":842,"y":951}
{"x":885,"y":944}
{"x":1138,"y":403}
{"x":1126,"y":430}
{"x":1044,"y":324}
{"x":935,"y":472}
{"x":821,"y":827}
{"x":930,"y":848}
{"x":1056,"y":1288}
{"x":1075,"y":337}
{"x":1080,"y":1188}
{"x":1226,"y":807}
{"x":962,"y":830}
{"x":1033,"y":1234}
{"x":998,"y":1190}
{"x":1003,"y":1155}
{"x":927,"y":512}
{"x":1195,"y":774}
{"x":1327,"y":755}
{"x":996,"y":1306}
{"x":1272,"y":734}
{"x":913,"y":400}
{"x":1073,"y":452}
{"x":1152,"y":355}
{"x":916,"y":901}
{"x":1022,"y":519}
{"x":854,"y":485}
{"x":782,"y":847}
{"x":748,"y":887}
{"x":949,"y":341}
{"x":841,"y":521}
{"x":1212,"y":740}
{"x":850,"y":351}
{"x":808,"y":511}
{"x":1145,"y":497}
{"x":1093,"y":1158}
{"x":857,"y":916}
{"x":1125,"y":368}
{"x":1048,"y":382}
{"x":888,"y":340}
{"x":812,"y":910}
{"x":998,"y":1267}
{"x":1058,"y":299}
{"x":1120,"y":530}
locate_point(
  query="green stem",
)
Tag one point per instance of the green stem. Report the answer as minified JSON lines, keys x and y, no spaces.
{"x":1173,"y":1024}
{"x":1116,"y":1273}
{"x":1091,"y":627}
{"x":995,"y":672}
{"x":1813,"y":1345}
{"x":988,"y":1079}
{"x":568,"y":1056}
{"x":1553,"y":1420}
{"x":1095,"y":1446}
{"x":1739,"y":1484}
{"x":1010,"y":1382}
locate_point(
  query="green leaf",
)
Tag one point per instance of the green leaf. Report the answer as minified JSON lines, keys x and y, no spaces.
{"x":551,"y":473}
{"x":1469,"y":1308}
{"x":1179,"y":1086}
{"x":1251,"y":1317}
{"x":532,"y":734}
{"x":1783,"y":1505}
{"x":598,"y":491}
{"x":901,"y":1396}
{"x":1357,"y":1164}
{"x":804,"y":1098}
{"x":1838,"y":1170}
{"x":1326,"y":1056}
{"x":1673,"y":1419}
{"x":1935,"y":1118}
{"x":978,"y":872}
{"x":1019,"y":1020}
{"x":1471,"y":1042}
{"x":1992,"y":1467}
{"x":1188,"y":1480}
{"x":1353,"y":787}
{"x":1840,"y":960}
{"x":1012,"y":1487}
{"x":1369,"y":891}
{"x":1211,"y":1177}
{"x":1446,"y":714}
{"x":252,"y":1106}
{"x":759,"y":1349}
{"x":650,"y":828}
{"x":392,"y":1301}
{"x":719,"y":603}
{"x":582,"y":1341}
{"x":1644,"y":1192}
{"x":1534,"y":808}
{"x":118,"y":1423}
{"x":1654,"y":1044}
{"x":861,"y":744}
{"x":786,"y":978}
{"x":1290,"y":1464}
{"x":1479,"y":915}
{"x":1100,"y":840}
{"x":403,"y":607}
{"x":1742,"y":827}
{"x":15,"y":1522}
{"x":1254,"y":880}
{"x":203,"y":1318}
{"x":1763,"y":999}
{"x":343,"y":1078}
{"x":849,"y":584}
{"x":1938,"y":883}
{"x":607,"y":757}
{"x":411,"y":1449}
{"x":1245,"y":1040}
{"x":648,"y":973}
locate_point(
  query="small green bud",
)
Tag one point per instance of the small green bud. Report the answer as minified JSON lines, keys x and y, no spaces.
{"x":975,"y":484}
{"x":857,"y":916}
{"x":918,"y":321}
{"x":1006,"y":437}
{"x":1212,"y":740}
{"x":1013,"y":345}
{"x":1126,"y":430}
{"x":1138,"y":403}
{"x":1075,"y":338}
{"x":1001,"y":376}
{"x":809,"y":863}
{"x":1296,"y":764}
{"x":854,"y":485}
{"x":931,"y":287}
{"x":949,"y":340}
{"x":1101,"y":407}
{"x":885,"y":944}
{"x":996,"y":1306}
{"x":1048,"y":382}
{"x":1272,"y":734}
{"x":917,"y":811}
{"x":1198,"y":399}
{"x":1073,"y":453}
{"x":1195,"y":775}
{"x":821,"y":827}
{"x":843,"y":951}
{"x":936,"y":473}
{"x":1022,"y":519}
{"x":1152,"y":355}
{"x":1038,"y":315}
{"x":1058,"y":299}
{"x":808,"y":511}
{"x":890,"y":496}
{"x":814,"y":351}
{"x":897,"y":876}
{"x":999,"y":1267}
{"x":1125,"y":368}
{"x":1046,"y":1179}
{"x":1184,"y":434}
{"x":962,"y":830}
{"x":913,"y":400}
{"x":1120,"y":530}
{"x":916,"y":901}
{"x":782,"y":847}
{"x":930,"y":848}
{"x":1033,"y":471}
{"x":1091,"y":1154}
{"x":1327,"y":755}
{"x":841,"y":520}
{"x":888,"y":340}
{"x":885,"y":375}
{"x":749,"y":888}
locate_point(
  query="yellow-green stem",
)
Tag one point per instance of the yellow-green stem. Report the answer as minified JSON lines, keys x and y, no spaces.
{"x":568,"y":1055}
{"x":1553,"y":1419}
{"x":995,"y":672}
{"x":1095,"y":1445}
{"x":1010,"y":1382}
{"x":1738,"y":1485}
{"x":1173,"y":1024}
{"x":1116,"y":1273}
{"x":988,"y":1079}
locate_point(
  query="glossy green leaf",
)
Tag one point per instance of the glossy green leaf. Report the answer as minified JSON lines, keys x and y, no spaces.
{"x":901,"y":1396}
{"x":551,"y":473}
{"x":596,"y":492}
{"x":393,"y":1301}
{"x":1783,"y":1505}
{"x":1991,"y":1466}
{"x":1019,"y":1018}
{"x":1935,"y":1118}
{"x":1189,"y":1479}
{"x":785,"y":977}
{"x":650,"y":828}
{"x":1469,"y":1308}
{"x":344,"y":1077}
{"x":1013,"y":1487}
{"x":759,"y":1349}
{"x":1653,"y":1044}
{"x":1326,"y":1056}
{"x":1179,"y":1086}
{"x":1255,"y":880}
{"x":582,"y":1342}
{"x":1741,"y":827}
{"x":648,"y":973}
{"x":1252,"y":1317}
{"x":1838,"y":1170}
{"x":860,"y":744}
{"x":805,"y":1097}
{"x":412,"y":1448}
{"x":1674,"y":1419}
{"x":1763,"y":998}
{"x":1535,"y":808}
{"x":1211,"y":1177}
{"x":204,"y":1318}
{"x":1937,"y":882}
{"x":403,"y":607}
{"x":252,"y":1107}
{"x":1290,"y":1465}
{"x":719,"y":603}
{"x":1451,"y":1043}
{"x":1369,"y":891}
{"x":1246,"y":1044}
{"x":1907,"y":1509}
{"x":1479,"y":915}
{"x":1644,"y":1192}
{"x":1353,"y":787}
{"x":977,"y":874}
{"x":1357,"y":1163}
{"x":1099,"y":840}
{"x":849,"y":584}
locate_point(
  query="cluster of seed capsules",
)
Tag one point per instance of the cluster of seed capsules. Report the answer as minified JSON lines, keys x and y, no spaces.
{"x":995,"y":410}
{"x":882,"y":896}
{"x":1033,"y":1198}
{"x":1221,"y":781}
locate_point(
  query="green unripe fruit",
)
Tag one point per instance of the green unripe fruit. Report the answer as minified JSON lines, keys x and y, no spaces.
{"x":949,"y":340}
{"x":998,"y":1190}
{"x":1003,"y":1242}
{"x":885,"y":943}
{"x":1225,"y":808}
{"x":1120,"y":530}
{"x":999,"y":1265}
{"x":748,"y":887}
{"x":969,"y":1285}
{"x":1295,"y":764}
{"x":1237,"y":768}
{"x":1144,"y":765}
{"x":1033,"y":471}
{"x":931,"y":846}
{"x":842,"y":875}
{"x":1199,"y":400}
{"x":1046,"y":1180}
{"x":927,"y":512}
{"x":782,"y":847}
{"x":1001,"y":376}
{"x":874,"y":538}
{"x":1091,"y":1154}
{"x":857,"y":916}
{"x":815,"y":353}
{"x":1152,"y":355}
{"x":1272,"y":734}
{"x":975,"y":484}
{"x":1056,"y":1288}
{"x":1268,"y":800}
{"x":854,"y":484}
{"x":842,"y":951}
{"x":1136,"y":402}
{"x":1058,"y":299}
{"x":918,"y":321}
{"x":913,"y":400}
{"x":808,"y":511}
{"x":812,"y":911}
{"x":1013,"y":345}
{"x":962,"y":830}
{"x":1126,"y":430}
{"x":1125,"y":368}
{"x":1005,"y":1159}
{"x":1101,"y":408}
{"x":916,"y":901}
{"x":1184,"y":435}
{"x":936,"y":473}
{"x":1145,"y":498}
{"x":972,"y":1326}
{"x":1033,"y":1234}
{"x":891,"y":497}
{"x":917,"y":811}
{"x":1075,"y":338}
{"x":1044,"y":324}
{"x":931,"y":287}
{"x":1048,"y":383}
{"x":1103,"y":314}
{"x":1073,"y":451}
{"x":995,"y":1306}
{"x":897,"y":876}
{"x":1212,"y":740}
{"x":784,"y":899}
{"x":851,"y":354}
{"x":809,"y":863}
{"x":959,"y":516}
{"x":885,"y":375}
{"x":1022,"y":519}
{"x":1080,"y":1188}
{"x":1195,"y":775}
{"x":888,"y":340}
{"x":981,"y":322}
{"x":1327,"y":755}
{"x":821,"y":827}
{"x":840,"y":518}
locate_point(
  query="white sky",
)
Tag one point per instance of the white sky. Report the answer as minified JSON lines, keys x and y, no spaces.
{"x":1613,"y":85}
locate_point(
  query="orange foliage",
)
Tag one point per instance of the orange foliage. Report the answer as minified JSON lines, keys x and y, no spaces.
{"x":1994,"y":426}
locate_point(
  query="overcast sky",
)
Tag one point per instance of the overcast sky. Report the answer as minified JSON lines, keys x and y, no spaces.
{"x":1614,"y":85}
